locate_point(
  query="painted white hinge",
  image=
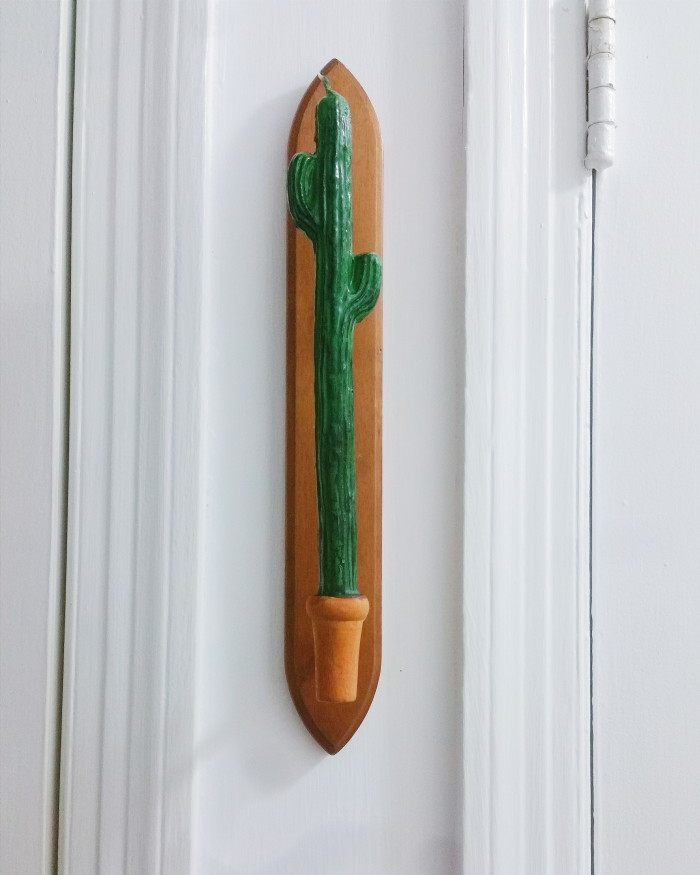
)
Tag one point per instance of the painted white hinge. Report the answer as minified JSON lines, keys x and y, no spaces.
{"x":601,"y":84}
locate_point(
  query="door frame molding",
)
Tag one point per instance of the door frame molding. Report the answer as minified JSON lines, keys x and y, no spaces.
{"x":133,"y":503}
{"x":526,"y":518}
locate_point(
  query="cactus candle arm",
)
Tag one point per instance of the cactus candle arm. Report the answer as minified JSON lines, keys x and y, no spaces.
{"x":319,"y":189}
{"x":301,"y":194}
{"x":365,"y":284}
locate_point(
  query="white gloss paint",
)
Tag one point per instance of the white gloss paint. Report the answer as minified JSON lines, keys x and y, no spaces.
{"x":646,"y":486}
{"x":528,"y":283}
{"x":35,"y":66}
{"x":133,"y":514}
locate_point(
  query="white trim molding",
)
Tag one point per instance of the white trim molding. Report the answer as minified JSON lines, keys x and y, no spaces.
{"x":133,"y":515}
{"x":526,"y":563}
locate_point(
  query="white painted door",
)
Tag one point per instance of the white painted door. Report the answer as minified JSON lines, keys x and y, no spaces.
{"x":181,"y":752}
{"x":646,"y":462}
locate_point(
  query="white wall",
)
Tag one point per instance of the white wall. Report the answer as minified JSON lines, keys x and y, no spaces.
{"x":646,"y":490}
{"x":268,"y":799}
{"x":35,"y":63}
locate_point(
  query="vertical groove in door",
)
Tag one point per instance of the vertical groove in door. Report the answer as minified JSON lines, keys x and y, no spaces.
{"x":63,"y":328}
{"x":590,"y":520}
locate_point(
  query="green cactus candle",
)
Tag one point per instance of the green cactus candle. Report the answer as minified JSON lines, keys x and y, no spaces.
{"x":319,"y":189}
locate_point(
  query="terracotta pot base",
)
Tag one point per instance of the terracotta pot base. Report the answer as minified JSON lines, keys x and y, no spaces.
{"x":337,"y":628}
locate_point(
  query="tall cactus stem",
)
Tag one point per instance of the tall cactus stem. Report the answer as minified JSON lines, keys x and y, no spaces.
{"x":319,"y":191}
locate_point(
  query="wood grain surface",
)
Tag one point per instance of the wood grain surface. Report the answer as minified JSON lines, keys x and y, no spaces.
{"x":333,"y":724}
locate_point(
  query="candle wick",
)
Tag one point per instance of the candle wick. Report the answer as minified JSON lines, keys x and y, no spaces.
{"x":325,"y":81}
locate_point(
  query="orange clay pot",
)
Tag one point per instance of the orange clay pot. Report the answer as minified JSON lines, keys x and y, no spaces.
{"x":337,"y":626}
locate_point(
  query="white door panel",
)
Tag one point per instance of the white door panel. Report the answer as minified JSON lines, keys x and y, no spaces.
{"x":268,"y":798}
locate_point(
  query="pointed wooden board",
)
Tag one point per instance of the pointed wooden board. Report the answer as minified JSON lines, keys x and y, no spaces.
{"x":333,"y":724}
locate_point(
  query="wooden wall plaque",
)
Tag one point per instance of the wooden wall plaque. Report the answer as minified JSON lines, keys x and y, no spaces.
{"x":333,"y":723}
